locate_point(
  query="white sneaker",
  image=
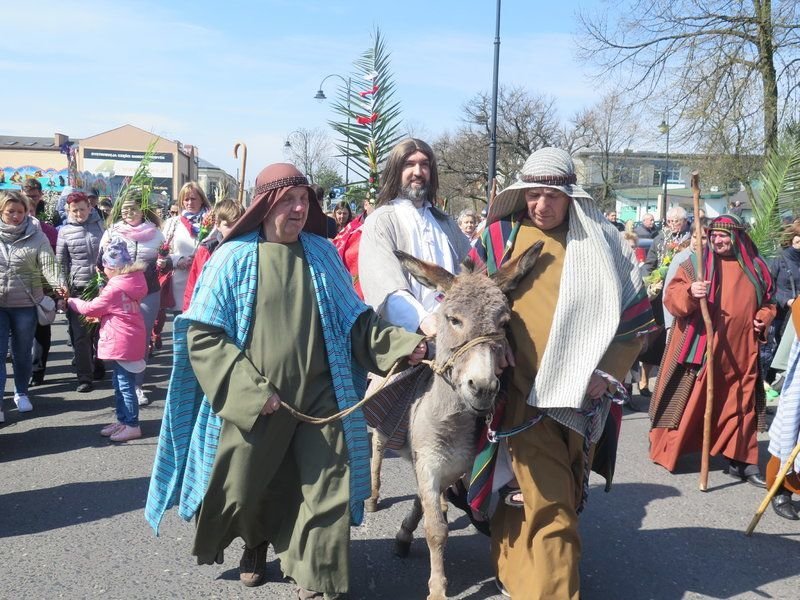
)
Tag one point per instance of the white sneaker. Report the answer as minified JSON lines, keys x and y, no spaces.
{"x":23,"y":403}
{"x":141,"y":397}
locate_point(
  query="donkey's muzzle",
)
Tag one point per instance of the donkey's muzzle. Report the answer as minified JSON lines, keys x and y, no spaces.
{"x":481,"y":394}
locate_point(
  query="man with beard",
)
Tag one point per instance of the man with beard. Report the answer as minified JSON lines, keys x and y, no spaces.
{"x":406,"y":219}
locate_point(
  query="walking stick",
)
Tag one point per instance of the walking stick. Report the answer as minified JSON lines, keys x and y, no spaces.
{"x":244,"y":166}
{"x":773,"y":490}
{"x":698,"y":248}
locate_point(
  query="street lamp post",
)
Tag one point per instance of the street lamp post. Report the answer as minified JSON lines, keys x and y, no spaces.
{"x":664,"y":128}
{"x":493,"y":123}
{"x":288,"y":146}
{"x":320,"y":95}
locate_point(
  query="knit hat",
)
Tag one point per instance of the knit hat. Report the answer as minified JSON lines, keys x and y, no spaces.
{"x":271,"y":184}
{"x":546,"y":168}
{"x":116,"y":255}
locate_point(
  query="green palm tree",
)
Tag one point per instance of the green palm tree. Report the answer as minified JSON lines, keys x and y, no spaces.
{"x":779,"y":194}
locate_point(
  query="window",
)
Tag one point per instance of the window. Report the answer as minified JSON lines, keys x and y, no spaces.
{"x":626,"y":174}
{"x":673,"y":175}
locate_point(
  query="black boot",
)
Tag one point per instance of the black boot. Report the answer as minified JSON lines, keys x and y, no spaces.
{"x":783,"y":507}
{"x":749,"y":473}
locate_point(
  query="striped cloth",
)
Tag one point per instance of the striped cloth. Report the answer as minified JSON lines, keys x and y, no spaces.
{"x":224,"y":298}
{"x":784,"y":433}
{"x":388,"y":410}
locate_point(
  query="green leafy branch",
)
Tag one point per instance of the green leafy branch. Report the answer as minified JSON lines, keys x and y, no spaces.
{"x":780,"y":193}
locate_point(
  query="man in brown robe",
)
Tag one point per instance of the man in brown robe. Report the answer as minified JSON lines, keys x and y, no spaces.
{"x":575,"y":320}
{"x":739,"y":291}
{"x":274,"y":478}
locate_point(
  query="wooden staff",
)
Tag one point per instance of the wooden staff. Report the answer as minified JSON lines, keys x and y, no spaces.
{"x":773,"y":490}
{"x":698,"y":248}
{"x":244,"y":166}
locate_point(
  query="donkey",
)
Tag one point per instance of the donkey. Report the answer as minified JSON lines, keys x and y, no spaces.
{"x":441,"y":437}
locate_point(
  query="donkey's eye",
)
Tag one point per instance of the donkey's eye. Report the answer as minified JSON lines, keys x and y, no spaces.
{"x":455,"y":322}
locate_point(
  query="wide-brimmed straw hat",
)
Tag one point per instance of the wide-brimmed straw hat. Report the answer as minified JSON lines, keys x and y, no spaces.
{"x":548,"y":168}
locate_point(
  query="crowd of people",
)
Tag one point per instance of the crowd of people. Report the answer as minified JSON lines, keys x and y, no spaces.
{"x":281,"y":305}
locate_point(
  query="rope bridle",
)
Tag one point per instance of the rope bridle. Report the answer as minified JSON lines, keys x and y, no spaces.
{"x":440,"y":370}
{"x":458,"y":351}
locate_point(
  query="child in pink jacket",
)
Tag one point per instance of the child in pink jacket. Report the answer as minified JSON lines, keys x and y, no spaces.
{"x":122,"y":334}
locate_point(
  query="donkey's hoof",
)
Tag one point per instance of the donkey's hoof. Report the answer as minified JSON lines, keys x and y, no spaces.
{"x":401,"y":549}
{"x":436,"y":597}
{"x":371,"y":505}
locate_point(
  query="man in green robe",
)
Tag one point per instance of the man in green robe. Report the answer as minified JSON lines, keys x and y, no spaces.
{"x":275,"y":479}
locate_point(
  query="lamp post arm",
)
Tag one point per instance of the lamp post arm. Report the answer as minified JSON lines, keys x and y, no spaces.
{"x":324,"y":79}
{"x":348,"y":83}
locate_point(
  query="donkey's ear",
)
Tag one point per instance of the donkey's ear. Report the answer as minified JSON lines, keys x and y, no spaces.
{"x":510,"y":274}
{"x":428,"y":274}
{"x":468,"y":265}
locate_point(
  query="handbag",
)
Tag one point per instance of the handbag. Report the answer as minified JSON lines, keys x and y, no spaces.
{"x":46,"y":310}
{"x":45,"y":307}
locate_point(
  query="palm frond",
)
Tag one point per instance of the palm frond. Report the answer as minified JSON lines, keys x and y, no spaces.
{"x":139,"y":184}
{"x":367,"y":144}
{"x":779,"y":193}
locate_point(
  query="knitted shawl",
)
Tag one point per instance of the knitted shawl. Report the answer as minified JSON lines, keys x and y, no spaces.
{"x":601,"y":300}
{"x":224,"y":298}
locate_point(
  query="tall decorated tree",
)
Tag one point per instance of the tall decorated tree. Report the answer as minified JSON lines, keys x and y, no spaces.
{"x":370,"y":116}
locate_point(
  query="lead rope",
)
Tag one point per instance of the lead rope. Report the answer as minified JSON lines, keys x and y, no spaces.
{"x":436,"y":368}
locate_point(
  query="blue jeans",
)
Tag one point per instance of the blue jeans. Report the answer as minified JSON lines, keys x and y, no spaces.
{"x":20,"y":324}
{"x":125,"y":395}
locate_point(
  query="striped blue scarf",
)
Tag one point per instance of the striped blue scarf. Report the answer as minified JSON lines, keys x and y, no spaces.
{"x":224,"y":298}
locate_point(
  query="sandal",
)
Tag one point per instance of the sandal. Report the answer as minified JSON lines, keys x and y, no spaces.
{"x":511,"y":496}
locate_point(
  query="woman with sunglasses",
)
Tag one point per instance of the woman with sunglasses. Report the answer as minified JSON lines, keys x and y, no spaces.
{"x":135,"y":222}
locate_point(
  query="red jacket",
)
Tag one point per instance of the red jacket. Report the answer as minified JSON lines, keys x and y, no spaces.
{"x":200,"y":258}
{"x":347,"y":243}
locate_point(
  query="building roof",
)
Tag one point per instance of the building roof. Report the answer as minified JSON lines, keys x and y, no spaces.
{"x":682,"y":195}
{"x":202,"y":163}
{"x":645,"y":193}
{"x":23,"y":142}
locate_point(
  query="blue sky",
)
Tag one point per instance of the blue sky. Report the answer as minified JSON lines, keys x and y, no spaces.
{"x":211,"y":73}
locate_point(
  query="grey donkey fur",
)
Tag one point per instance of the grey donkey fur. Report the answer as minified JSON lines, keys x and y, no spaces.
{"x":441,"y":434}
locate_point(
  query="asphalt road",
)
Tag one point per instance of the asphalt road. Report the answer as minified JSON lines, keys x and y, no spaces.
{"x":72,"y":525}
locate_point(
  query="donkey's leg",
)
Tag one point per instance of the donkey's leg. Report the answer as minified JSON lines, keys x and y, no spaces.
{"x":435,"y":532}
{"x":378,"y":450}
{"x":402,"y":541}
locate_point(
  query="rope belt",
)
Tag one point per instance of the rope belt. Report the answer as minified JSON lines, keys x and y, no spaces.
{"x":438,"y":369}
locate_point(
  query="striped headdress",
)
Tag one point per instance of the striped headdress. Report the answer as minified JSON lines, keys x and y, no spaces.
{"x":757,"y":271}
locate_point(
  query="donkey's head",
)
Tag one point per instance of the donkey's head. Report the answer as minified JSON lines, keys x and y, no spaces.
{"x":474,"y":311}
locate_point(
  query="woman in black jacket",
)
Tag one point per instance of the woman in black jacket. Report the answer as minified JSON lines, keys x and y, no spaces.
{"x":785,"y":271}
